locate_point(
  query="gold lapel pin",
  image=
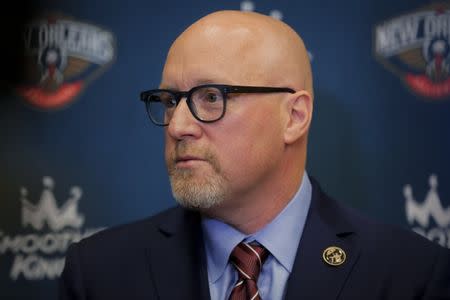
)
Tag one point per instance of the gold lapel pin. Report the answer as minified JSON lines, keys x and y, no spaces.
{"x":334,"y":256}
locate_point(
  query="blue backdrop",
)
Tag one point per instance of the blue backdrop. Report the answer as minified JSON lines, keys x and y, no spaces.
{"x":78,"y":153}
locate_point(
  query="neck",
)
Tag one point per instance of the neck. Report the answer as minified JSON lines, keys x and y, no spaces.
{"x":251,"y":212}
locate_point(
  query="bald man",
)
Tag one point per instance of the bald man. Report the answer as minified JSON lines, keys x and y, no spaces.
{"x":236,"y":102}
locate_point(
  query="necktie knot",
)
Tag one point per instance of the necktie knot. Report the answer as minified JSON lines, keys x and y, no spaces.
{"x":248,"y":260}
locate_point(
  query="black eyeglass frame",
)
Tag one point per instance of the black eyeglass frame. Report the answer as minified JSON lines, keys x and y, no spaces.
{"x":223,"y":88}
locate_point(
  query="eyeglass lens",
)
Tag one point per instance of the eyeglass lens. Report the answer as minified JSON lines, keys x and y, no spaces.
{"x":205,"y":103}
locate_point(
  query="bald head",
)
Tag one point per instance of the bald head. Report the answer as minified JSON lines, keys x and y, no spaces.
{"x":244,"y":48}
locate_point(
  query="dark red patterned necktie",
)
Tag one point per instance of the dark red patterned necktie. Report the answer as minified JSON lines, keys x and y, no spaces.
{"x":248,"y":260}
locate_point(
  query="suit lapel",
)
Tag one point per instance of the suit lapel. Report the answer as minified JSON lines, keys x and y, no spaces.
{"x":311,"y":277}
{"x":177,"y":257}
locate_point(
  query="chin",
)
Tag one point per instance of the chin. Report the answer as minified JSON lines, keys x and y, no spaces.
{"x":197,"y":196}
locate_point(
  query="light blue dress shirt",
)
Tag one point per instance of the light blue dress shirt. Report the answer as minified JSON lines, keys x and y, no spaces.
{"x":281,"y":237}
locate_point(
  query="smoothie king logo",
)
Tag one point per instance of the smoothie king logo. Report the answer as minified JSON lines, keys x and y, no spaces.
{"x":429,"y":218}
{"x":416,"y":48}
{"x":39,"y":254}
{"x":62,"y":56}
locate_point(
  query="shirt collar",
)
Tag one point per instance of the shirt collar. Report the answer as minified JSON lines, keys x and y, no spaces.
{"x":281,"y":236}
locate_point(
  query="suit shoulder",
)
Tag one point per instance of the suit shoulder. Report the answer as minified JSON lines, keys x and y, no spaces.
{"x":374,"y":233}
{"x":128,"y":234}
{"x":389,"y":235}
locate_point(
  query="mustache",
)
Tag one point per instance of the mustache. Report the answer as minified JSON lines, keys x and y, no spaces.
{"x":184,"y":149}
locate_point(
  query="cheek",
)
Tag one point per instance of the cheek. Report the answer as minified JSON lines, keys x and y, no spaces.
{"x":251,"y":145}
{"x":169,"y":147}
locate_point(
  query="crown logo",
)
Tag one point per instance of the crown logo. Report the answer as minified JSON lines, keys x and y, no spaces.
{"x":432,"y":206}
{"x":47,"y":211}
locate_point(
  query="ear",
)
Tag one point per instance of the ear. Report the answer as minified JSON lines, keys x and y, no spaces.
{"x":300,"y":109}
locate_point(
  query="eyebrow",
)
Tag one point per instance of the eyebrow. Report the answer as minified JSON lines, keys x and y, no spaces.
{"x":197,"y":82}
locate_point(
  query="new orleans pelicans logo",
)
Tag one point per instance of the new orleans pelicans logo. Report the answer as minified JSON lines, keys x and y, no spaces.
{"x":62,"y":56}
{"x":416,"y":48}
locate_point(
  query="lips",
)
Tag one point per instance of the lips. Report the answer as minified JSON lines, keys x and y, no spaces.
{"x":186,"y":158}
{"x":188,"y":161}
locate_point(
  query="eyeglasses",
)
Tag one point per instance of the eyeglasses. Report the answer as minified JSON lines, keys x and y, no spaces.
{"x":207,"y":103}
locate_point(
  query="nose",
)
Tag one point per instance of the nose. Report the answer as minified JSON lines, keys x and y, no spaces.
{"x":183,"y":124}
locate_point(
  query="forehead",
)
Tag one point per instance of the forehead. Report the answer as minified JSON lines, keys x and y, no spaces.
{"x":214,"y":54}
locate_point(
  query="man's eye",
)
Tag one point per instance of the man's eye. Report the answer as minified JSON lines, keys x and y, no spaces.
{"x":171,"y":102}
{"x":168,"y":102}
{"x":211,"y":97}
{"x":165,"y":99}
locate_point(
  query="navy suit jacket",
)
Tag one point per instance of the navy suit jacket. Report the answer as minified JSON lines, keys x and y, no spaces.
{"x":163,"y":257}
